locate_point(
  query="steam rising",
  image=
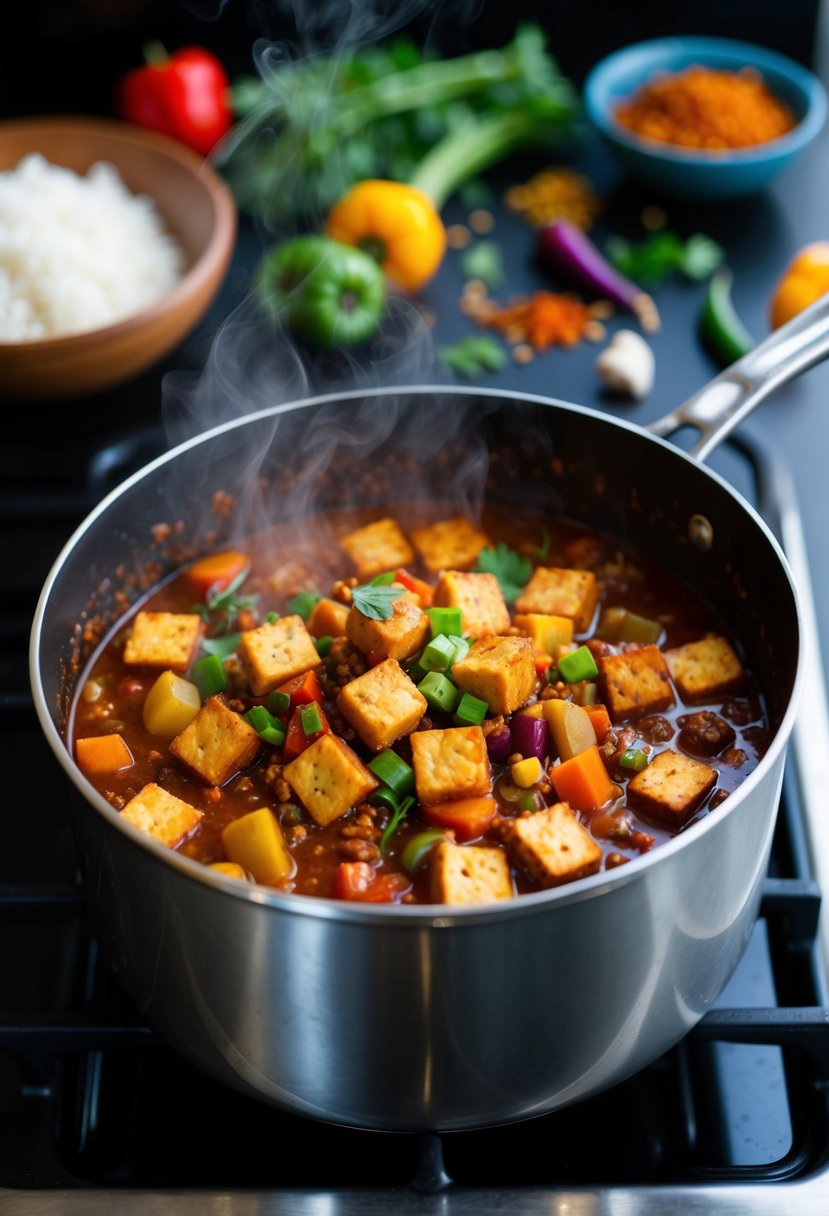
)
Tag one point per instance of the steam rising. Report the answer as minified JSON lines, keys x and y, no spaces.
{"x":254,"y":364}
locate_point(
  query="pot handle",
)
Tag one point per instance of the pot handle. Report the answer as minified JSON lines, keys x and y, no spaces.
{"x":726,"y":400}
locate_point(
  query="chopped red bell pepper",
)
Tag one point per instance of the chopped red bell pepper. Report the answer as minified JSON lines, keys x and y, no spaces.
{"x":185,"y":95}
{"x":296,"y":739}
{"x":357,"y":880}
{"x":423,"y":590}
{"x":302,"y":690}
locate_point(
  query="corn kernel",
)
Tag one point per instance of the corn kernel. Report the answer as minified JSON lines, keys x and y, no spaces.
{"x":526,"y":772}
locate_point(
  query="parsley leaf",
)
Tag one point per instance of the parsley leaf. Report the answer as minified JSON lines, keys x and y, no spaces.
{"x":510,"y":568}
{"x":225,"y":604}
{"x":650,"y":261}
{"x":483,"y":261}
{"x":375,"y":602}
{"x":224,"y":646}
{"x":473,"y":355}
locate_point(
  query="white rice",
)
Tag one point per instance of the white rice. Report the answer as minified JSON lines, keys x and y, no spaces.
{"x":77,"y":253}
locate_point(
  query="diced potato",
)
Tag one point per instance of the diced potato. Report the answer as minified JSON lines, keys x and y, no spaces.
{"x":161,"y":815}
{"x":377,"y":547}
{"x":217,"y":743}
{"x":170,"y":704}
{"x":230,"y":869}
{"x":329,"y":778}
{"x":256,"y":845}
{"x":382,"y":704}
{"x":483,"y":609}
{"x":546,"y":632}
{"x":705,"y":669}
{"x":327,"y":619}
{"x":553,"y":591}
{"x":451,"y":544}
{"x":635,"y":683}
{"x":499,"y":670}
{"x":275,"y":652}
{"x":671,"y":788}
{"x":163,"y":639}
{"x":398,"y":637}
{"x":468,"y":874}
{"x":552,"y":846}
{"x":450,"y":764}
{"x":570,"y":726}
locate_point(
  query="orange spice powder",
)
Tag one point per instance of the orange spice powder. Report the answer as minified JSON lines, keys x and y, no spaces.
{"x":704,"y":108}
{"x":538,"y":321}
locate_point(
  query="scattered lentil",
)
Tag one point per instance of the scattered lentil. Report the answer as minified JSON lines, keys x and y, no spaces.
{"x":458,"y":236}
{"x":555,"y":193}
{"x":481,"y":221}
{"x":704,"y":108}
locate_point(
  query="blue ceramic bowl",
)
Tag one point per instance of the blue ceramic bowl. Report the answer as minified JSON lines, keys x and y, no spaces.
{"x":694,"y":174}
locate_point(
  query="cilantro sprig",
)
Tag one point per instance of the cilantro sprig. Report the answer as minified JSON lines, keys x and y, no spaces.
{"x":377,"y":603}
{"x":221,"y":607}
{"x":510,"y":568}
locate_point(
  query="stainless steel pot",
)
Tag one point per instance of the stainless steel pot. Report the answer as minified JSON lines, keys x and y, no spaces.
{"x":429,"y":1017}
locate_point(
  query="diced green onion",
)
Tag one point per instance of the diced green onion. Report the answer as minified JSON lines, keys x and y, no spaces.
{"x":265,"y":725}
{"x":271,"y":618}
{"x":445,"y":620}
{"x":461,"y":649}
{"x":419,"y":848}
{"x":385,"y":797}
{"x":323,"y":645}
{"x":309,"y":716}
{"x":471,"y":710}
{"x":532,"y":801}
{"x":274,"y":735}
{"x":439,"y":654}
{"x":552,"y":674}
{"x":439,"y":692}
{"x":382,"y":580}
{"x":303,"y":603}
{"x":579,"y":665}
{"x":279,"y":703}
{"x":388,"y":767}
{"x":634,"y":758}
{"x":209,"y":676}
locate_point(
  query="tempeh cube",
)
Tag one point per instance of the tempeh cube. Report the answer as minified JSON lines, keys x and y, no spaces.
{"x":329,"y":778}
{"x":450,"y":764}
{"x":163,"y":639}
{"x":501,"y":671}
{"x":399,"y":637}
{"x":451,"y":544}
{"x":483,"y":609}
{"x":635,"y":683}
{"x":558,"y":592}
{"x":671,"y":788}
{"x":382,"y":704}
{"x":161,"y":815}
{"x":705,"y":669}
{"x":276,"y":651}
{"x":468,"y":874}
{"x":217,"y":743}
{"x":552,"y":846}
{"x":377,"y":547}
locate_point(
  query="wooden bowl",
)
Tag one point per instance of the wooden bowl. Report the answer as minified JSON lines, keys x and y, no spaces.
{"x":197,"y":209}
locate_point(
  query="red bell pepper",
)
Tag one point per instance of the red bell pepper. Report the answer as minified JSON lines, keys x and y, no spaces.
{"x":357,"y":880}
{"x":185,"y":95}
{"x":302,"y":690}
{"x":296,"y":739}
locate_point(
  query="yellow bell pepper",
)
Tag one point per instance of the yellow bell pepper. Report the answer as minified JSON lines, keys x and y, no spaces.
{"x":255,"y":843}
{"x":170,"y":705}
{"x":806,"y":279}
{"x":398,"y":224}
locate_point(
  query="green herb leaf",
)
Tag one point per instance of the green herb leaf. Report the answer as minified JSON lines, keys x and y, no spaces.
{"x":225,"y":604}
{"x":510,"y":568}
{"x":394,"y":823}
{"x":543,"y":549}
{"x":224,"y":646}
{"x":375,"y":602}
{"x":484,"y":261}
{"x":472,"y":356}
{"x":649,"y":262}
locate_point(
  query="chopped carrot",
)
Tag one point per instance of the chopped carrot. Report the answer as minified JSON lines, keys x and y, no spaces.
{"x":583,"y":781}
{"x":357,"y":880}
{"x":601,"y":720}
{"x":468,"y":817}
{"x":103,"y":754}
{"x":423,"y":590}
{"x":215,"y":571}
{"x":302,"y":690}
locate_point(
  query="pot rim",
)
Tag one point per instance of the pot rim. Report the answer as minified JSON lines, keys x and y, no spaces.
{"x":407,"y":915}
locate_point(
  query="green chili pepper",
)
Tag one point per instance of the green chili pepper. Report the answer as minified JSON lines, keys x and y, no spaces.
{"x":330,"y":293}
{"x":721,"y":329}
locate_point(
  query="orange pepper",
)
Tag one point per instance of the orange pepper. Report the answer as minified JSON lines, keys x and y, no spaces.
{"x":398,"y":224}
{"x":583,"y":781}
{"x":806,"y":279}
